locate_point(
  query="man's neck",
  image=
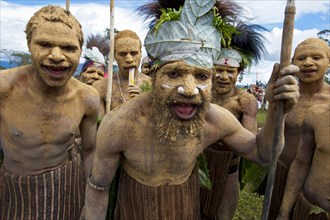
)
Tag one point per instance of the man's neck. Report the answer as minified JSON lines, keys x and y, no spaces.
{"x":311,"y":88}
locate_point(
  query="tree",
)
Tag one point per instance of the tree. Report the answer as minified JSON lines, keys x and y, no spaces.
{"x":17,"y":58}
{"x":324,"y":35}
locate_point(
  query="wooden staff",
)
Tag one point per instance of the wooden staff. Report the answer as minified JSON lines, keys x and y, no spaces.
{"x":111,"y":55}
{"x":286,"y":48}
{"x":67,"y":8}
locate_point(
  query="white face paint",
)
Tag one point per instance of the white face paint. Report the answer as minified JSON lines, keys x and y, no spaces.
{"x":166,"y":86}
{"x":202,"y":87}
{"x":196,"y":91}
{"x":181,"y":90}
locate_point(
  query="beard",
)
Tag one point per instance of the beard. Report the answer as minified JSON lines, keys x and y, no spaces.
{"x":169,"y":126}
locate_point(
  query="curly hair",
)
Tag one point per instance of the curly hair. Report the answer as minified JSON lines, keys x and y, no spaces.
{"x":127,"y":33}
{"x":53,"y":14}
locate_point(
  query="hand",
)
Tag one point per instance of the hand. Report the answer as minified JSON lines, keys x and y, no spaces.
{"x":134,"y":90}
{"x":283,"y":88}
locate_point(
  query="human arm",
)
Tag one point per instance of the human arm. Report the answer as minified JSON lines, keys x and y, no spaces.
{"x":88,"y":130}
{"x":249,"y":119}
{"x":105,"y":162}
{"x":101,"y":87}
{"x":299,"y":169}
{"x":258,"y":149}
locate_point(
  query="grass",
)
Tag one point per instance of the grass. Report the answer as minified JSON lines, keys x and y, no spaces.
{"x":249,"y":205}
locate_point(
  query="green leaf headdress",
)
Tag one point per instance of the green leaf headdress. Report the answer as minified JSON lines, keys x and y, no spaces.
{"x":246,"y":47}
{"x":191,"y":39}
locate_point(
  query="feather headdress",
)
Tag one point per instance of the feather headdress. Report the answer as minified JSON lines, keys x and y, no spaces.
{"x":94,"y":55}
{"x":152,"y":12}
{"x":246,"y":47}
{"x":190,"y":36}
{"x":244,"y":38}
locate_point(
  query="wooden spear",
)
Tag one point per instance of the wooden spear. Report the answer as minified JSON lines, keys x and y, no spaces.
{"x":67,"y":8}
{"x":111,"y":55}
{"x":286,"y":48}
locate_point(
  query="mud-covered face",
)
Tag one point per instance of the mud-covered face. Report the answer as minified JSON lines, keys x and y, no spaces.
{"x":92,"y":73}
{"x":127,"y":54}
{"x":224,"y":79}
{"x":145,"y":69}
{"x":55,"y":52}
{"x":183,"y":88}
{"x":181,"y":97}
{"x":312,"y":60}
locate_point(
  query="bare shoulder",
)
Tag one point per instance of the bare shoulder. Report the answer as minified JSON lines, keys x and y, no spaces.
{"x":132,"y":111}
{"x":219,"y":116}
{"x":15,"y":77}
{"x":88,"y":95}
{"x":246,"y":98}
{"x":319,"y":112}
{"x":101,"y":86}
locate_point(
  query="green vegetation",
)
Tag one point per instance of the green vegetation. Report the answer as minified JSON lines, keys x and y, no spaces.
{"x":249,"y":206}
{"x":250,"y":203}
{"x":261,"y":117}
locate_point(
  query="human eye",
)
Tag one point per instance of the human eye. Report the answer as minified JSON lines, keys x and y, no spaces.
{"x":69,"y":48}
{"x":122,"y":54}
{"x":45,"y":44}
{"x":134,"y":53}
{"x":90,"y":70}
{"x":202,"y":76}
{"x":173,"y":74}
{"x":301,"y":58}
{"x":317,"y":57}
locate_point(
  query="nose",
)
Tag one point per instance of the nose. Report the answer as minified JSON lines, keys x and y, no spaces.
{"x":189,"y":88}
{"x":309,"y":61}
{"x":56,"y":55}
{"x":223,"y":75}
{"x":129,"y":58}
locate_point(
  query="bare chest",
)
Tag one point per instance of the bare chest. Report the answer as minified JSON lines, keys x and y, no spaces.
{"x":28,"y":120}
{"x":161,"y":158}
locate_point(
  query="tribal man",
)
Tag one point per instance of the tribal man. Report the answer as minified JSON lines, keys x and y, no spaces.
{"x":42,"y":106}
{"x":221,"y":201}
{"x":164,"y":130}
{"x":312,"y":56}
{"x":128,"y":56}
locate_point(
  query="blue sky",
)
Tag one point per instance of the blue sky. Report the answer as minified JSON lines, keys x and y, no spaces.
{"x":311,"y":17}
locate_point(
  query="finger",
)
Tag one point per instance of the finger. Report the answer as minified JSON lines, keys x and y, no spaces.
{"x":287,"y":96}
{"x":289,"y":70}
{"x":286,"y":80}
{"x":274,"y":76}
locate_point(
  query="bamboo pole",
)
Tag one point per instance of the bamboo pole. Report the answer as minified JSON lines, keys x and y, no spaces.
{"x":286,"y":48}
{"x":67,"y":8}
{"x":111,"y":55}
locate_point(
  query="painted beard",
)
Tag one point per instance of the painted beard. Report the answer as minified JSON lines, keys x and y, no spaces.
{"x":169,"y":126}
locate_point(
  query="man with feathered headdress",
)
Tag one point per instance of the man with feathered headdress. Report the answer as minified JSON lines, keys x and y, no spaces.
{"x":163,"y":131}
{"x":245,"y":46}
{"x":242,"y":44}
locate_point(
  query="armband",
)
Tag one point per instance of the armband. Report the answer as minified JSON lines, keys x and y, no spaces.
{"x":96,"y":187}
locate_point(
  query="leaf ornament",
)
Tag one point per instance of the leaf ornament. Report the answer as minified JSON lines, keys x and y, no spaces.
{"x":191,"y":39}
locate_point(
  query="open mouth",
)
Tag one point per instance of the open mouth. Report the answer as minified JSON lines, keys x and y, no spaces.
{"x":56,"y":72}
{"x":223,"y":84}
{"x":185,"y":111}
{"x":308,"y":72}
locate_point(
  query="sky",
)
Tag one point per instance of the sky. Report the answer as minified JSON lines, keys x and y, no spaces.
{"x":312,"y":16}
